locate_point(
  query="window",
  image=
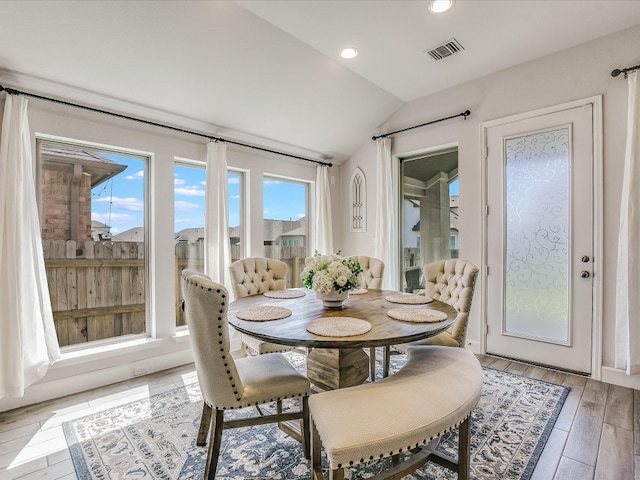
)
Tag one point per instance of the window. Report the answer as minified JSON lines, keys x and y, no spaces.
{"x":286,"y":230}
{"x":189,"y":217}
{"x":93,"y":222}
{"x":429,"y":211}
{"x":358,"y":201}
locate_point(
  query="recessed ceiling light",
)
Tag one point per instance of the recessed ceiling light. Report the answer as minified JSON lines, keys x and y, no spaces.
{"x":350,"y":52}
{"x":439,"y":6}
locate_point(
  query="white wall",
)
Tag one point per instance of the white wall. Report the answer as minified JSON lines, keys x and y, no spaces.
{"x":579,"y":72}
{"x":79,"y":371}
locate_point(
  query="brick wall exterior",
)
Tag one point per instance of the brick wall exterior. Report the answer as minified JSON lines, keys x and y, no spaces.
{"x":56,"y":210}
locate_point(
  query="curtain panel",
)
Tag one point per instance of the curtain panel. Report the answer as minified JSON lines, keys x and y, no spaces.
{"x":627,"y":346}
{"x":323,"y":231}
{"x":387,"y":224}
{"x":217,"y":250}
{"x":28,"y":341}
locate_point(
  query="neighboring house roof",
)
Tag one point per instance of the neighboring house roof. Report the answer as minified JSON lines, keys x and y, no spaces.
{"x":135,"y":234}
{"x":60,"y":157}
{"x":192,"y":235}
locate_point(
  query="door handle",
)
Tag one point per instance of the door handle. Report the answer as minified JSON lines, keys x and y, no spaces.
{"x":584,"y":274}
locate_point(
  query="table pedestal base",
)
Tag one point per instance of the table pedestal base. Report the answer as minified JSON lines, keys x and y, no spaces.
{"x":333,"y":368}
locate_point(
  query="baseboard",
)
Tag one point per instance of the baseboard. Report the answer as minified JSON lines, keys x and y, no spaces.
{"x":41,"y":392}
{"x":473,"y":346}
{"x":620,"y":378}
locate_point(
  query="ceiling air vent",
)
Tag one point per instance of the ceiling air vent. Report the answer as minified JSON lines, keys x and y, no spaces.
{"x":445,"y":49}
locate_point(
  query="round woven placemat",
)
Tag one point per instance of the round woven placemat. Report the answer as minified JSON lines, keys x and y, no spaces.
{"x":417,"y":315}
{"x":358,"y":291}
{"x":408,"y":299}
{"x":284,"y":293}
{"x":263,"y":313}
{"x":339,"y":327}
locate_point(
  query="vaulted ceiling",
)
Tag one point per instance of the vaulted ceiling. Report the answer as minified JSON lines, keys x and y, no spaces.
{"x":269,"y":72}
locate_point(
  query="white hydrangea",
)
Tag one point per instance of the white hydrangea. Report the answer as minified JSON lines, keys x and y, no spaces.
{"x":328,"y":273}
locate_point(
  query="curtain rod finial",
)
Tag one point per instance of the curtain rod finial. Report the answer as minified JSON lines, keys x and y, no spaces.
{"x":616,"y":72}
{"x":466,"y":113}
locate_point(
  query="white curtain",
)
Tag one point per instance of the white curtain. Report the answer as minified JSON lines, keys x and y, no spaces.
{"x":323,"y":231}
{"x":217,"y":251}
{"x":627,"y":352}
{"x":387,"y":224}
{"x":28,"y":342}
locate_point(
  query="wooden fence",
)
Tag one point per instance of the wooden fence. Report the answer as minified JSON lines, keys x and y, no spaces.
{"x":96,"y":289}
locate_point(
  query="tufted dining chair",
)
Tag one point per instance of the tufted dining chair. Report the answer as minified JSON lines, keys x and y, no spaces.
{"x":372,"y":271}
{"x":372,"y":274}
{"x":253,"y":276}
{"x":227,"y":383}
{"x":453,"y":282}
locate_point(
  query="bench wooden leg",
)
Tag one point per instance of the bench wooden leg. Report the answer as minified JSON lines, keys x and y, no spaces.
{"x":336,"y":474}
{"x":464,"y":449}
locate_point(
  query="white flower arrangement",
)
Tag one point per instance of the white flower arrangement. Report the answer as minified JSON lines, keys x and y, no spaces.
{"x":331,"y":273}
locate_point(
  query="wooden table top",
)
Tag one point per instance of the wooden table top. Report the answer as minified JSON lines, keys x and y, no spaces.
{"x":371,"y":307}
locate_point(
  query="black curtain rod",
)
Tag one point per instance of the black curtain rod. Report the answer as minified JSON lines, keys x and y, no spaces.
{"x":12,"y":91}
{"x":464,"y":114}
{"x":618,"y":71}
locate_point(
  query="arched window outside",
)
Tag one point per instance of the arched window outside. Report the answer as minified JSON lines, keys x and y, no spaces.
{"x":358,"y":201}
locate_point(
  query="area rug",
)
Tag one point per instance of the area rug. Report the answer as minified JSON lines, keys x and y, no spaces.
{"x":155,"y":438}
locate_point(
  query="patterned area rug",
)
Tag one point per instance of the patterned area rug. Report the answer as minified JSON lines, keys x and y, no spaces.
{"x":155,"y":438}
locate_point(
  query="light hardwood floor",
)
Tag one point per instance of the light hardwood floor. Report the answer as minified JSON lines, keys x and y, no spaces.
{"x":596,"y":436}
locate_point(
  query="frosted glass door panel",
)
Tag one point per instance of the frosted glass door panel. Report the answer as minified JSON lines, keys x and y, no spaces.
{"x":537,"y":235}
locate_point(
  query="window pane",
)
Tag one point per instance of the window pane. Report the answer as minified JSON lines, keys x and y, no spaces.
{"x":286,"y":230}
{"x":537,"y":236}
{"x":430,"y":214}
{"x":189,"y":216}
{"x":93,"y":232}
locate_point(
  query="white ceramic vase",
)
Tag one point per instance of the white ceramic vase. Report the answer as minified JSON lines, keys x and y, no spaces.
{"x":333,"y":299}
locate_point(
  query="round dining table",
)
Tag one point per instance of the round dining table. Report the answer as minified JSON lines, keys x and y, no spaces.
{"x":338,"y":361}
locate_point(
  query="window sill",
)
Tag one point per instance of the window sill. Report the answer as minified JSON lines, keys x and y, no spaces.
{"x":98,"y":352}
{"x":181,"y":336}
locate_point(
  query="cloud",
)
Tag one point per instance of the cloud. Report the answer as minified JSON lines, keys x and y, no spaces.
{"x":234,"y":180}
{"x":182,"y":206}
{"x":109,"y":218}
{"x":234,"y":197}
{"x":189,"y":191}
{"x":178,"y":181}
{"x":135,"y":176}
{"x":268,"y":183}
{"x":130,"y":203}
{"x":300,"y":215}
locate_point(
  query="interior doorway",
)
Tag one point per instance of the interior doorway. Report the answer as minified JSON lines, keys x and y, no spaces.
{"x":429,"y":212}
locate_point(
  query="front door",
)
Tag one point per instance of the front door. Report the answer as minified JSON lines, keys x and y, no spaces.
{"x":540,"y":238}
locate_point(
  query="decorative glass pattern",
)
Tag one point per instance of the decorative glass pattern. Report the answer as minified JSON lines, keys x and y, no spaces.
{"x":358,"y":192}
{"x":537,"y":235}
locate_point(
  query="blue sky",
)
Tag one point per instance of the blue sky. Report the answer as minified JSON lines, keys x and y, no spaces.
{"x":119,"y":201}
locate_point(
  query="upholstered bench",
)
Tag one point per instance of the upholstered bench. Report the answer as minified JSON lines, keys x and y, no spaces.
{"x":433,"y":393}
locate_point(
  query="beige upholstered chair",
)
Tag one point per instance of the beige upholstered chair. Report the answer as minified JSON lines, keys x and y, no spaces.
{"x":227,"y":383}
{"x":433,"y":393}
{"x":253,"y":276}
{"x":451,"y":281}
{"x":372,"y":272}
